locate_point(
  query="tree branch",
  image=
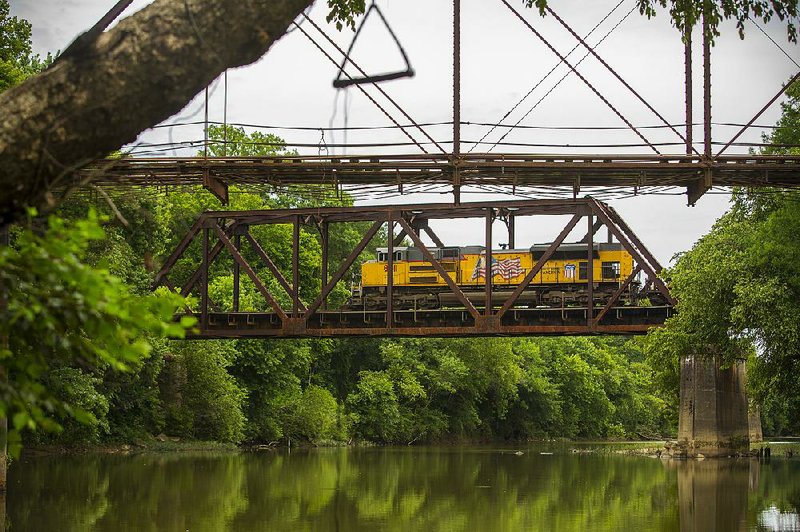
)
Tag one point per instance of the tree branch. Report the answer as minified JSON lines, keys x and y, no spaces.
{"x":131,"y":78}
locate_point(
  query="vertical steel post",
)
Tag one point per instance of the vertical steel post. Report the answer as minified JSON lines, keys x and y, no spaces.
{"x":205,"y":128}
{"x":687,"y":54}
{"x":590,"y":272}
{"x":324,"y":231}
{"x":237,"y":241}
{"x":296,"y":267}
{"x":225,"y":119}
{"x":511,"y":232}
{"x":390,"y":273}
{"x":456,"y":100}
{"x":204,"y":280}
{"x":488,"y":264}
{"x":706,"y":84}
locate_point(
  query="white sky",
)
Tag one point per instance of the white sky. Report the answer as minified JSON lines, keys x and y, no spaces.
{"x":501,"y":61}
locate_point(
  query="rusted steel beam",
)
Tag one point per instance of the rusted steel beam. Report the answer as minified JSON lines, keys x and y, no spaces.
{"x":614,"y":73}
{"x":250,"y":273}
{"x":438,"y":267}
{"x":273,"y":269}
{"x":175,"y":255}
{"x":688,"y":85}
{"x":204,"y":282}
{"x":218,"y":188}
{"x":431,"y":233}
{"x":618,"y":292}
{"x":620,"y":221}
{"x":512,"y":170}
{"x":580,"y":76}
{"x":399,"y":238}
{"x":296,"y":267}
{"x":456,"y":100}
{"x":594,"y":229}
{"x":430,"y":331}
{"x":195,"y":278}
{"x":324,"y":231}
{"x":706,"y":88}
{"x":343,"y":269}
{"x":761,"y":112}
{"x":390,"y":270}
{"x":489,"y":277}
{"x":237,"y":242}
{"x":640,"y":255}
{"x":539,"y":265}
{"x":590,"y":271}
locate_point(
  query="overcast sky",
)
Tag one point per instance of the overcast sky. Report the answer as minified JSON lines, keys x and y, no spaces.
{"x":501,"y":61}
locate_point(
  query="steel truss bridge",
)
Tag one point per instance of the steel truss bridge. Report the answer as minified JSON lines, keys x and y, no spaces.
{"x":229,"y":233}
{"x":696,"y":170}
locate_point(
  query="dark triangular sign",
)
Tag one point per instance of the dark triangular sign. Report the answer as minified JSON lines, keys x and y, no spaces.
{"x":340,"y":83}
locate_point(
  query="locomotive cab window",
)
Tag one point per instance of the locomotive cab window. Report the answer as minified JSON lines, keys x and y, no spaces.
{"x":450,"y":253}
{"x":611,"y":270}
{"x":383,"y":257}
{"x":398,"y":255}
{"x":582,"y":271}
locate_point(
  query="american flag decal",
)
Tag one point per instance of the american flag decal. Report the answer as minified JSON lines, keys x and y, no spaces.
{"x":506,"y":268}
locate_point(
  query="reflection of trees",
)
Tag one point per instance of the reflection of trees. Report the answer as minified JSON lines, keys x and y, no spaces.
{"x":393,"y":489}
{"x":147,"y":492}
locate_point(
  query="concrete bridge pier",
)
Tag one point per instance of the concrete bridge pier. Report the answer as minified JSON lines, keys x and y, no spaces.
{"x":713,"y":418}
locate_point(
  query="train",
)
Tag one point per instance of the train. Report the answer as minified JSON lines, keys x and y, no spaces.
{"x":561,"y":282}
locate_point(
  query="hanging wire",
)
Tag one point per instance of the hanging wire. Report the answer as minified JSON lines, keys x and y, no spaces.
{"x":546,"y":76}
{"x":565,"y":76}
{"x":774,"y":42}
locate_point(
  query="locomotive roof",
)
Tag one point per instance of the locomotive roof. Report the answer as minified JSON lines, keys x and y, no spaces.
{"x":580,"y":246}
{"x":577,"y":246}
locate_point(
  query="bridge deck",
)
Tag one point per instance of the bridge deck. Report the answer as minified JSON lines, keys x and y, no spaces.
{"x":473,"y":169}
{"x":433,"y":323}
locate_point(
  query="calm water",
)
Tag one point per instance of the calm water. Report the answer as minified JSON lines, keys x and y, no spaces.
{"x":404,"y":489}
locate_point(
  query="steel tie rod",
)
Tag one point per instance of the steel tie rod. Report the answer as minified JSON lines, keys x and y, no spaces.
{"x":575,"y":71}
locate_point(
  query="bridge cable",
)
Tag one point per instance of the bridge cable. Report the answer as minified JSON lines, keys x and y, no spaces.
{"x":581,"y":76}
{"x":385,"y":112}
{"x":383,"y":92}
{"x":564,"y":77}
{"x":774,"y":42}
{"x":536,"y":86}
{"x":340,"y":83}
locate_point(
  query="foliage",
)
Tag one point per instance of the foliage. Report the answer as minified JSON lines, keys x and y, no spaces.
{"x":738,"y":290}
{"x":17,"y":60}
{"x":344,"y":12}
{"x":689,"y":13}
{"x":211,"y":394}
{"x":59,"y":310}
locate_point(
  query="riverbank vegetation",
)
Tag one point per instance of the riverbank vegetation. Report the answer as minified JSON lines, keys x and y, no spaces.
{"x":88,"y":359}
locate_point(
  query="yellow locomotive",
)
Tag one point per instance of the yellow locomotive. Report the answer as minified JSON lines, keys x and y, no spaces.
{"x":561,"y":282}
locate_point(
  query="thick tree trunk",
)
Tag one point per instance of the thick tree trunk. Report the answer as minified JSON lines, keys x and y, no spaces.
{"x":134,"y":76}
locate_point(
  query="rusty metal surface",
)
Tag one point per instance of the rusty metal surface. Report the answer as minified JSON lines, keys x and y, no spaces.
{"x":509,"y":170}
{"x":316,"y":319}
{"x":434,"y":323}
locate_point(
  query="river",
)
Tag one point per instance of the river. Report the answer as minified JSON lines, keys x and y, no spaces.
{"x":459,"y":488}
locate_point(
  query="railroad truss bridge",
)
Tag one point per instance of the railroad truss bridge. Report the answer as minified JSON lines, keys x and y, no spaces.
{"x":229,"y":233}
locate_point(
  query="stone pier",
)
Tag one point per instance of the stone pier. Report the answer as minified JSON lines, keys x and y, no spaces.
{"x":713,"y":419}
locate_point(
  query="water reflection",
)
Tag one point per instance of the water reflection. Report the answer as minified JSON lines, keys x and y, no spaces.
{"x":400,"y":489}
